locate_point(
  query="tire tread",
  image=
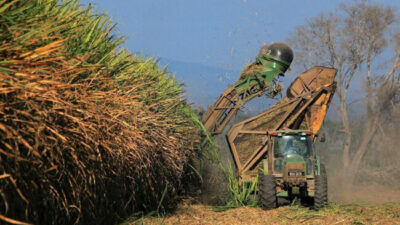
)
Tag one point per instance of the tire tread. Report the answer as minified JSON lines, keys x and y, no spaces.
{"x":321,"y":189}
{"x":267,"y":191}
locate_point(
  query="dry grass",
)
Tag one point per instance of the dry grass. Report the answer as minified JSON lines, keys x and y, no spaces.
{"x":88,"y":133}
{"x":250,"y":70}
{"x":333,"y":214}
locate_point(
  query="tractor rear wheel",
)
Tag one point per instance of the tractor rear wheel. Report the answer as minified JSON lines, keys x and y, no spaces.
{"x":267,"y":191}
{"x":321,"y":189}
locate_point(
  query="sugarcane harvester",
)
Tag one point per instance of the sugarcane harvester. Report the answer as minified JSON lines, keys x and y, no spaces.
{"x":277,"y":145}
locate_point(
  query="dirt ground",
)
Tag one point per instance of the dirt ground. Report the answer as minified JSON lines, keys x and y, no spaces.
{"x":388,"y":213}
{"x":370,"y":194}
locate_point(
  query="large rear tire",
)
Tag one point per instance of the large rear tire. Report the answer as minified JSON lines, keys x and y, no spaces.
{"x":321,"y":189}
{"x":267,"y":191}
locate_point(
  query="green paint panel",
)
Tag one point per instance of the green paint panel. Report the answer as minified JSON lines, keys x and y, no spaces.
{"x":265,"y":167}
{"x":318,"y":170}
{"x":282,"y":194}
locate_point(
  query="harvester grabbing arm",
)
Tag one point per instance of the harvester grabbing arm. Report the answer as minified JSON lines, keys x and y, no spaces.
{"x":256,"y":79}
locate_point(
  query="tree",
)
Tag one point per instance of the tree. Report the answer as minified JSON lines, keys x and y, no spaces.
{"x":356,"y":40}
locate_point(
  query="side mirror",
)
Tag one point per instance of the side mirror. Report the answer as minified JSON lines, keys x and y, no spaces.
{"x":322,"y":138}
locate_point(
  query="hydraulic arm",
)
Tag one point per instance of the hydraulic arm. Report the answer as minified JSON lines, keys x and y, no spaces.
{"x":259,"y":78}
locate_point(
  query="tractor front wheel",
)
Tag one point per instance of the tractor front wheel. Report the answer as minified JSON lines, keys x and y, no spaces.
{"x":267,"y":191}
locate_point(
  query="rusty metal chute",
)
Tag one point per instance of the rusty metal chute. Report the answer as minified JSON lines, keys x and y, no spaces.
{"x":227,"y":105}
{"x":304,"y":107}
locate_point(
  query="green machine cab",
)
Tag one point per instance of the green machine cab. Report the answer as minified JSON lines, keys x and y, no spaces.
{"x":292,"y":168}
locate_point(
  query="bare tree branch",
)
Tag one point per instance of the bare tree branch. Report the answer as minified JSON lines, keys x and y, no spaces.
{"x":353,"y":39}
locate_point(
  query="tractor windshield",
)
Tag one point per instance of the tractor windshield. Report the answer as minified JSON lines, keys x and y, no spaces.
{"x":292,"y":144}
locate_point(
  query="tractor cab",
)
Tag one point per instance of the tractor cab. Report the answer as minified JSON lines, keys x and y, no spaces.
{"x":286,"y":144}
{"x":291,"y":153}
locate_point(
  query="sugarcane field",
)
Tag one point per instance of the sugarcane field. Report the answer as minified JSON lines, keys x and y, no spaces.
{"x":199,"y":112}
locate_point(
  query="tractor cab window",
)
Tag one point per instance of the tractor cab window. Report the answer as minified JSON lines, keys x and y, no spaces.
{"x":292,"y":144}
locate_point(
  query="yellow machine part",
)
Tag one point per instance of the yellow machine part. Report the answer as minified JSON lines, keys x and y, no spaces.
{"x":310,"y":81}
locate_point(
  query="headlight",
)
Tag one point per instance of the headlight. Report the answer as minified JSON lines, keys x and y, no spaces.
{"x":299,"y":173}
{"x":292,"y":174}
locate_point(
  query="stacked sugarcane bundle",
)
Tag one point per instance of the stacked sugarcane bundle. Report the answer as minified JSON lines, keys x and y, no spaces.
{"x":255,"y":67}
{"x":88,"y":132}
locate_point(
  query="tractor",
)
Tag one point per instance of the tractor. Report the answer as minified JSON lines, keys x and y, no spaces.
{"x":291,"y":169}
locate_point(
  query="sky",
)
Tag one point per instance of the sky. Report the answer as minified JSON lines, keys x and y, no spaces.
{"x":218,"y":33}
{"x":207,"y":43}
